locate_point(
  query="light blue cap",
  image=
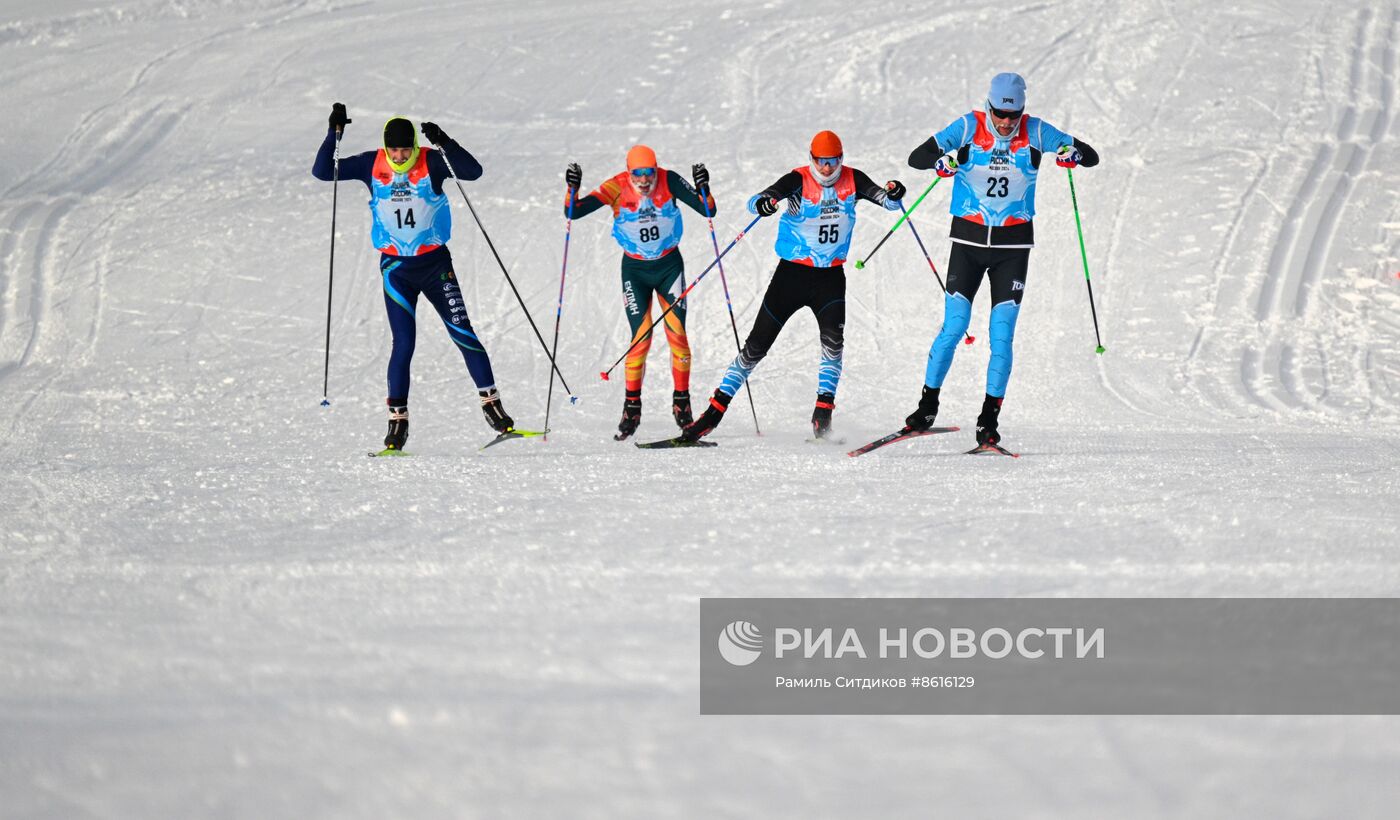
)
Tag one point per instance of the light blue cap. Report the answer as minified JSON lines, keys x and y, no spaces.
{"x":1008,"y":92}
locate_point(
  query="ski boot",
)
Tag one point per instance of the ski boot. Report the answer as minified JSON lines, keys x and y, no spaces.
{"x":922,"y":418}
{"x":821,"y":415}
{"x":680,"y":408}
{"x":631,"y":416}
{"x":987,"y":422}
{"x":495,"y":414}
{"x":709,"y":419}
{"x":398,"y":427}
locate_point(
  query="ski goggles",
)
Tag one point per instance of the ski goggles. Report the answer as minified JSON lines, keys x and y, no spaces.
{"x":643,"y":172}
{"x":1003,"y":114}
{"x":827,"y":160}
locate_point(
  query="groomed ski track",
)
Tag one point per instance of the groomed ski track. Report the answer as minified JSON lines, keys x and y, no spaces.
{"x":212,"y":604}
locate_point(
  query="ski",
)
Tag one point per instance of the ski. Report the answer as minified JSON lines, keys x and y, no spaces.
{"x":985,"y":449}
{"x":826,"y":440}
{"x":510,"y":434}
{"x":899,"y":435}
{"x":389,"y":452}
{"x":678,"y":441}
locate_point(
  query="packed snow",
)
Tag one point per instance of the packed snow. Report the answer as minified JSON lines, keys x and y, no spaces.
{"x":213,"y":604}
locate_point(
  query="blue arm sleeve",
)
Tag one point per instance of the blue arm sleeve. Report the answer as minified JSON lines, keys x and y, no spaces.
{"x":462,"y":161}
{"x":1047,"y":138}
{"x":957,"y":133}
{"x":355,"y":166}
{"x":1051,"y":139}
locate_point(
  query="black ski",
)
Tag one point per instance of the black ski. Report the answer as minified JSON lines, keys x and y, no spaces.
{"x":678,"y":441}
{"x":989,"y":449}
{"x":900,"y":435}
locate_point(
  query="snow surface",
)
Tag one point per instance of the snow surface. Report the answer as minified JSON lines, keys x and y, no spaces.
{"x":212,"y":604}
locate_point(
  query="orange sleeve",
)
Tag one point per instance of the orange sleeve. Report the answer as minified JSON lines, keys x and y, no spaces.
{"x":609,"y":192}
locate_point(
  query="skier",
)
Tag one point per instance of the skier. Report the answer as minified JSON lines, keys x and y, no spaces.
{"x":647,"y":224}
{"x":412,"y":224}
{"x":814,"y":236}
{"x":993,"y":156}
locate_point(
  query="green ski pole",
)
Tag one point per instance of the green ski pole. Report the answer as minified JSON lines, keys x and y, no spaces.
{"x":860,"y":263}
{"x":1074,"y":200}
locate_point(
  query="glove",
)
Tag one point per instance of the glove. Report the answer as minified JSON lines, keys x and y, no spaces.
{"x":894,"y":189}
{"x":1068,"y":157}
{"x":339,"y":119}
{"x":701,"y":175}
{"x":946,"y":166}
{"x":766,"y":206}
{"x":573,"y":176}
{"x":434,"y":134}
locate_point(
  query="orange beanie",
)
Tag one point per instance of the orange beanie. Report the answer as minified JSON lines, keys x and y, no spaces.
{"x":826,"y":144}
{"x":640,"y":156}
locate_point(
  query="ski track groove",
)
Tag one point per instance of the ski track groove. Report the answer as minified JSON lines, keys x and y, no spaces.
{"x":40,"y":298}
{"x":9,"y":283}
{"x":16,"y":289}
{"x":1116,"y":232}
{"x":46,"y":270}
{"x":40,"y":284}
{"x":1288,"y":296}
{"x":1371,"y":314}
{"x":60,"y":158}
{"x":1344,"y":163}
{"x":86,"y":172}
{"x":1365,"y":361}
{"x":1225,"y":259}
{"x":1260,"y":371}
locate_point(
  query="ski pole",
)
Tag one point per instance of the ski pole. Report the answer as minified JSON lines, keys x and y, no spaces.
{"x":1074,"y":200}
{"x":967,"y":339}
{"x":559,"y":312}
{"x":606,"y":373}
{"x":511,"y":282}
{"x":704,"y":200}
{"x":330,"y":284}
{"x":860,"y":263}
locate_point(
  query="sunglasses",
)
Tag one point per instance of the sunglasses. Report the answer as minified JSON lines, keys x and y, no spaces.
{"x":1006,"y":115}
{"x":827,"y":160}
{"x":644,"y":172}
